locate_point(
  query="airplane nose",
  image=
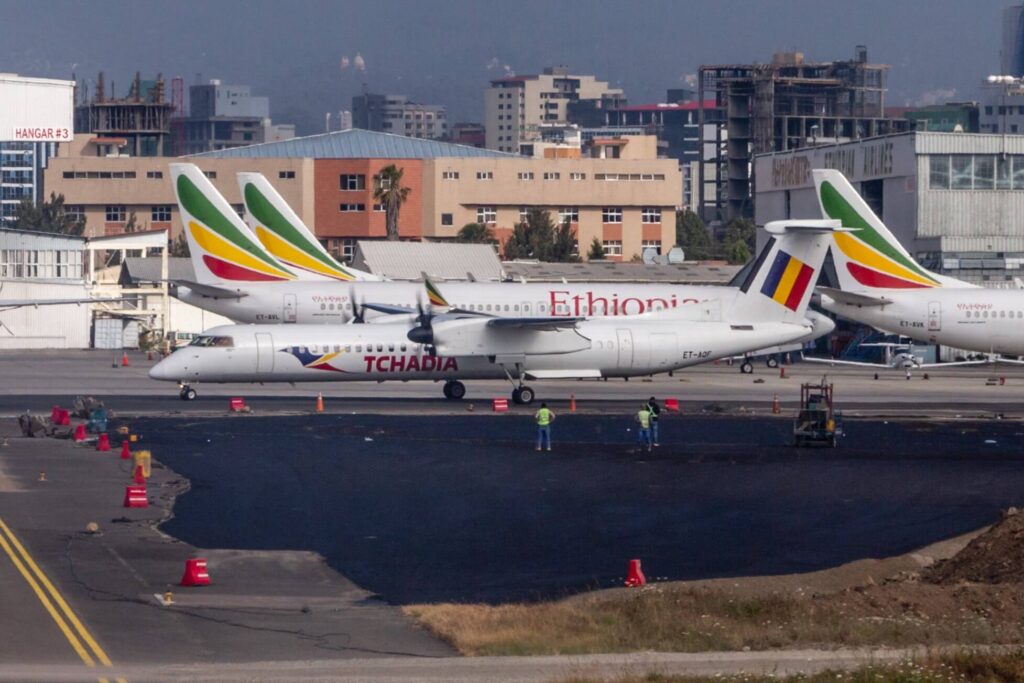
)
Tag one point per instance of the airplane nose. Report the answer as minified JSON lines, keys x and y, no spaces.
{"x":166,"y":370}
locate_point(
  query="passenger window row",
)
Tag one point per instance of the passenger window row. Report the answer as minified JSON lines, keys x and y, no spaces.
{"x":995,"y":314}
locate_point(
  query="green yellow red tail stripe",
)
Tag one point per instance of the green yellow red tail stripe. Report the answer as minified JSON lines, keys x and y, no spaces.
{"x":434,"y":294}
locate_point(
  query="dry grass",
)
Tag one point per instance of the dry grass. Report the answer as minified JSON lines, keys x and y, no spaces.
{"x":965,"y":667}
{"x":688,"y":620}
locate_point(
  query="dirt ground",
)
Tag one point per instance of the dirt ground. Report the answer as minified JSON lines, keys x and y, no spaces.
{"x":964,"y":591}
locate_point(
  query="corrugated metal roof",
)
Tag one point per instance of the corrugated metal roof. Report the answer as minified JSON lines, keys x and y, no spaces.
{"x":441,"y":261}
{"x":135,"y":269}
{"x":612,"y":271}
{"x":355,"y":144}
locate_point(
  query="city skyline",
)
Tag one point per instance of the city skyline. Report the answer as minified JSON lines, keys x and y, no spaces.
{"x":312,"y":57}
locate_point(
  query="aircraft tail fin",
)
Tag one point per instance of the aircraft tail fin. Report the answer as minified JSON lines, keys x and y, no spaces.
{"x":869,"y":256}
{"x":284,"y":234}
{"x":778,"y":287}
{"x":222,"y":247}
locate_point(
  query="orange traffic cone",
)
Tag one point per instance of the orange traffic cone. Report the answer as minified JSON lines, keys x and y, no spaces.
{"x":572,"y":403}
{"x":196,"y":573}
{"x":776,"y":408}
{"x":782,"y":372}
{"x":79,"y":433}
{"x":635,"y":577}
{"x":103,"y":442}
{"x":140,"y":475}
{"x":124,"y":360}
{"x":320,"y":402}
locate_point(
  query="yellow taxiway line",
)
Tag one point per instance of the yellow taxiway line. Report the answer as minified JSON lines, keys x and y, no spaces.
{"x":69,"y":624}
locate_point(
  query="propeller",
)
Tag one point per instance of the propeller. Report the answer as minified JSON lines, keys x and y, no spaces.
{"x":357,"y":309}
{"x":423,"y":332}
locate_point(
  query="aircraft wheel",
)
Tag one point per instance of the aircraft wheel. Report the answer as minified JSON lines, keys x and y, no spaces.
{"x":454,"y":391}
{"x":188,"y":394}
{"x":772,"y":362}
{"x":523,"y":396}
{"x":746,"y":367}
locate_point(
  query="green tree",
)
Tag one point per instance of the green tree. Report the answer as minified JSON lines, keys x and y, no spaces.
{"x":693,"y":236}
{"x":179,"y":246}
{"x":538,"y":238}
{"x":390,"y":192}
{"x":738,"y":245}
{"x":596,"y":252}
{"x":475,"y":233}
{"x":565,"y":247}
{"x":50,"y":216}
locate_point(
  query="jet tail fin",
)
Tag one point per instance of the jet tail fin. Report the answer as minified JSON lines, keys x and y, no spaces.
{"x":222,"y":247}
{"x":284,"y":234}
{"x":869,"y":257}
{"x":781,"y":281}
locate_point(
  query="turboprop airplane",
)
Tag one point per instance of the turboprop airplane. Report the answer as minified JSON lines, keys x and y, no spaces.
{"x":286,"y":237}
{"x":896,"y":355}
{"x":768,"y":309}
{"x":881,"y":285}
{"x":236,"y":277}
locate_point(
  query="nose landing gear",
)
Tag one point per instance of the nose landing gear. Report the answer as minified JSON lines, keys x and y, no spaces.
{"x":187,"y":393}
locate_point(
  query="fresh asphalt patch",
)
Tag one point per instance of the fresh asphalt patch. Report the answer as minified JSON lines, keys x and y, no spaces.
{"x":461,"y":508}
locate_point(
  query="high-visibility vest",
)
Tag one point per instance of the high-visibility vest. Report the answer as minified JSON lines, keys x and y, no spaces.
{"x":544,"y":417}
{"x":645,"y":418}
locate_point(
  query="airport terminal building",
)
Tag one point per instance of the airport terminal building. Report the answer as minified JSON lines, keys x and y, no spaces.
{"x":628,"y":203}
{"x":954,"y":200}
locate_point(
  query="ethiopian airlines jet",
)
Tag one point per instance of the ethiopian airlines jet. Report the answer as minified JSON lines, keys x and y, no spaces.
{"x":286,"y":237}
{"x":769,"y":309}
{"x":239,"y":279}
{"x":881,"y":285}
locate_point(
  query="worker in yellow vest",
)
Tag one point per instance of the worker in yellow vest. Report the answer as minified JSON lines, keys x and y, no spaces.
{"x":644,"y":419}
{"x":544,"y":418}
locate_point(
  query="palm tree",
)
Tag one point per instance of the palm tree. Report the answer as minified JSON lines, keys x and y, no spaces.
{"x":392,"y":195}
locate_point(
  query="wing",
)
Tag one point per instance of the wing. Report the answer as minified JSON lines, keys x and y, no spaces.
{"x":537,"y":324}
{"x":835,"y":361}
{"x":852,"y":298}
{"x":11,"y":304}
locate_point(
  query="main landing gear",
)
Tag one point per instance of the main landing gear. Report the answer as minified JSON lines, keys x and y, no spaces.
{"x":187,"y":393}
{"x":454,"y":390}
{"x":521,"y":394}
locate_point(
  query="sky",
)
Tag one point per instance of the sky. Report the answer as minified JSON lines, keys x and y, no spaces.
{"x":303,"y":53}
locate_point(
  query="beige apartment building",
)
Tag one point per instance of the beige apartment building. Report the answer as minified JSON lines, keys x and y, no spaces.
{"x":517,"y":108}
{"x":627,"y":203}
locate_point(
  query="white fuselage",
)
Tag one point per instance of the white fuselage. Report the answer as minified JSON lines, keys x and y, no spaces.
{"x":332,"y":302}
{"x":975,"y":319}
{"x":598,"y":348}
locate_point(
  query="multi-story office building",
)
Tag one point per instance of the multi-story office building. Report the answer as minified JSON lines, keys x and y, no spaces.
{"x":138,"y":125}
{"x":628,"y":204}
{"x":397,"y":114}
{"x":21,"y":175}
{"x":516,"y":108}
{"x":226,"y":116}
{"x":787,"y":104}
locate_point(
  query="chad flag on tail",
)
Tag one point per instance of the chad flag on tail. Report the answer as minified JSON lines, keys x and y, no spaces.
{"x":787,"y":280}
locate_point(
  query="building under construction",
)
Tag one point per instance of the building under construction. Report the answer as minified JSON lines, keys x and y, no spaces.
{"x":780,"y":106}
{"x":138,"y":125}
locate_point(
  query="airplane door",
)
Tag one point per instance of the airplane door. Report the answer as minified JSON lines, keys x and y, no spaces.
{"x":290,"y":308}
{"x":934,"y":316}
{"x":625,"y":340}
{"x":264,"y":353}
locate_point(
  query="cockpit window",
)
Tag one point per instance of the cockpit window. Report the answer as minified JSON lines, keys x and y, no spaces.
{"x":213,"y":340}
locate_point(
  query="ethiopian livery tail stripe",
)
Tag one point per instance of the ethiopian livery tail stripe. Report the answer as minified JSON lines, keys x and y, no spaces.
{"x":868,"y":256}
{"x":222,"y":248}
{"x":284,"y":234}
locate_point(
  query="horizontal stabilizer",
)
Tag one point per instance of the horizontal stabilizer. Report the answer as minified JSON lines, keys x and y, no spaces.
{"x":852,"y":298}
{"x":810,"y":225}
{"x":24,"y":303}
{"x":211,"y":291}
